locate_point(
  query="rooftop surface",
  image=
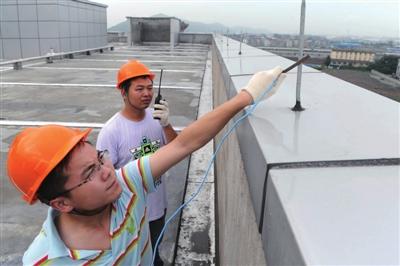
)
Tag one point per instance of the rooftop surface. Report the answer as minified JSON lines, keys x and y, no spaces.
{"x":82,"y":91}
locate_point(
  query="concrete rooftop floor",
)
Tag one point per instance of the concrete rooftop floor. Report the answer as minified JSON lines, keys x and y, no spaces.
{"x":82,"y":90}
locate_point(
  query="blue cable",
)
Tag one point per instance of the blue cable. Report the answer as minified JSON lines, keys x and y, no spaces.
{"x":247,"y":113}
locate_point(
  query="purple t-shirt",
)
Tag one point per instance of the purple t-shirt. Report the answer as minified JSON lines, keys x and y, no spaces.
{"x":127,"y":140}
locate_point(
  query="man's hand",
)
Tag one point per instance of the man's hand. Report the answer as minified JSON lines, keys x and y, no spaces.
{"x":260,"y":81}
{"x":161,"y":111}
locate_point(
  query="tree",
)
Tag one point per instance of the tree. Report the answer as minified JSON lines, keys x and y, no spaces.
{"x":327,"y":61}
{"x":386,"y":65}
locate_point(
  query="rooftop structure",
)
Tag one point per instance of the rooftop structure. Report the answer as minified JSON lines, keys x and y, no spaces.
{"x":154,"y":29}
{"x":31,"y":28}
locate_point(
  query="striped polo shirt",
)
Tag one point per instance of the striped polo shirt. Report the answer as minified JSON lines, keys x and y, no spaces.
{"x":129,"y":229}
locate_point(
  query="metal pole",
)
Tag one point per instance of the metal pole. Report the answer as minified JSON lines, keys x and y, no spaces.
{"x":240,"y":45}
{"x":298,"y":107}
{"x":227,"y":38}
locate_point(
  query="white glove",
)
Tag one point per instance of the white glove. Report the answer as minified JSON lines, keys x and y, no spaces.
{"x":162,"y":113}
{"x":260,"y":81}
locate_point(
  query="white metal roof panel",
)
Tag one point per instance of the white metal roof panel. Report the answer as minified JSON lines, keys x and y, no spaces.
{"x":341,"y":122}
{"x":342,"y":216}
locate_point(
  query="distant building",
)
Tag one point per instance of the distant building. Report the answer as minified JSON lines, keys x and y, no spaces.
{"x":117,"y":36}
{"x":35,"y":28}
{"x":154,"y":29}
{"x":346,"y":45}
{"x":350,"y":57}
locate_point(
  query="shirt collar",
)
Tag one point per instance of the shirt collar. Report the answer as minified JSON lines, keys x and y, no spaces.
{"x":57,"y":248}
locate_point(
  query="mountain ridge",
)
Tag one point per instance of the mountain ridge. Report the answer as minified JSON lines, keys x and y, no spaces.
{"x":195,"y":26}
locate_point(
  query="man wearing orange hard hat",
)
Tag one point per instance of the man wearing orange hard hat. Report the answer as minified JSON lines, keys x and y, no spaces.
{"x":98,"y":215}
{"x":138,"y":130}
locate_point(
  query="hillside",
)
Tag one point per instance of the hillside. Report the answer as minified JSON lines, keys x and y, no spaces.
{"x":198,"y":27}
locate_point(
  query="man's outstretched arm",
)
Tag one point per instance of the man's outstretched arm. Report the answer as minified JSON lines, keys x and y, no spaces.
{"x":204,"y":129}
{"x":197,"y":134}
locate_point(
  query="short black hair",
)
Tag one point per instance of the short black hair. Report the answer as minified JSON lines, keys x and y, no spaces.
{"x":53,"y":185}
{"x":127,"y":83}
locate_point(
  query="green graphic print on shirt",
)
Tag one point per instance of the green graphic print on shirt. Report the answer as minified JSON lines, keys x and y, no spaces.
{"x":146,"y":147}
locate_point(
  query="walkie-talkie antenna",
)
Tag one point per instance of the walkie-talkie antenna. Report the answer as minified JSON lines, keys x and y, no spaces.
{"x":159,"y":97}
{"x":159,"y":86}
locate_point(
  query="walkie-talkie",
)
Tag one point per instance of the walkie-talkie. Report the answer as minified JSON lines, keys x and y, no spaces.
{"x":159,"y":97}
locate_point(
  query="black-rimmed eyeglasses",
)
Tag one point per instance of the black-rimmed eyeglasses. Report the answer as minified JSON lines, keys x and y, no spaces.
{"x":90,"y":172}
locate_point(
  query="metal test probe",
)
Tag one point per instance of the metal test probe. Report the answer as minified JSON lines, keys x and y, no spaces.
{"x":301,"y":60}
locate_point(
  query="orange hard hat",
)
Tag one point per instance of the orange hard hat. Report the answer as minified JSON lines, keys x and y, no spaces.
{"x":35,"y":152}
{"x":132,"y":69}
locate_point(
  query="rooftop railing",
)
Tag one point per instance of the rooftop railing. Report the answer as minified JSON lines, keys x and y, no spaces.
{"x":17,"y":63}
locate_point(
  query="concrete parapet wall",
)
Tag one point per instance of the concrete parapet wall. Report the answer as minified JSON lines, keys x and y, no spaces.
{"x":202,"y":38}
{"x":239,"y":242}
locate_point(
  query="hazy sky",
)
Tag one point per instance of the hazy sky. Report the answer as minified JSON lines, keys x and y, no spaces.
{"x":379,"y":18}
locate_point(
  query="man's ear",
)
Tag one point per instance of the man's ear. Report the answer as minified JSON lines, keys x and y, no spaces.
{"x":61,"y":204}
{"x":123,"y":93}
